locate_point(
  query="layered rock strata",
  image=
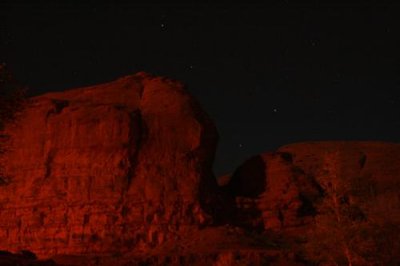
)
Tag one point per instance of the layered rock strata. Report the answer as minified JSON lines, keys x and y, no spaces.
{"x":109,"y":168}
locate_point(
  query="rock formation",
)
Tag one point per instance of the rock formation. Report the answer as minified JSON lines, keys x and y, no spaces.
{"x":331,"y":202}
{"x":272,"y":193}
{"x":120,"y":174}
{"x":110,"y":168}
{"x":278,"y":190}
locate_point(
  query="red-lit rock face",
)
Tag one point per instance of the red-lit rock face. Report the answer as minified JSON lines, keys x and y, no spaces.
{"x":370,"y":166}
{"x":120,"y":173}
{"x":379,"y":160}
{"x":270,"y":192}
{"x":115,"y":167}
{"x":278,"y":190}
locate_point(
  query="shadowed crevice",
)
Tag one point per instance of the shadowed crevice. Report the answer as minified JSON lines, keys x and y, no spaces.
{"x":137,"y":135}
{"x":363,"y":160}
{"x":249,"y":179}
{"x":48,"y":164}
{"x":58,"y":107}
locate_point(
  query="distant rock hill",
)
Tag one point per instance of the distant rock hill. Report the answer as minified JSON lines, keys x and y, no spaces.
{"x":285,"y":185}
{"x":120,"y":174}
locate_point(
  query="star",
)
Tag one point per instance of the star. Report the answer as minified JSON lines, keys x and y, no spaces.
{"x":240,"y":145}
{"x":163,"y":25}
{"x":275,"y":110}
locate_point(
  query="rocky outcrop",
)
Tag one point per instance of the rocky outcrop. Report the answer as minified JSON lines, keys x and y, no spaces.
{"x":270,"y":192}
{"x":120,"y":173}
{"x":378,"y":160}
{"x":278,"y":191}
{"x":110,"y":168}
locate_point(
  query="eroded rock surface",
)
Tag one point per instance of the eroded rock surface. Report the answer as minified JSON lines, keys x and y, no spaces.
{"x":120,"y":174}
{"x":278,"y":190}
{"x":110,"y":168}
{"x":272,"y":193}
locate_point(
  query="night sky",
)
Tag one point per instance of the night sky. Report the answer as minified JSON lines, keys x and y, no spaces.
{"x":267,"y":75}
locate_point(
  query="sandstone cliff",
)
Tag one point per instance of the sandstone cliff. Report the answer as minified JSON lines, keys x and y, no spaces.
{"x":110,"y":168}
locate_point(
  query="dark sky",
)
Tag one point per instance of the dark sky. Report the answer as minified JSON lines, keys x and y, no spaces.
{"x":267,"y":75}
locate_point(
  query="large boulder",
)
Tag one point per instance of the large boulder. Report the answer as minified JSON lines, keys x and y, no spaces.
{"x":109,"y":168}
{"x":270,"y":192}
